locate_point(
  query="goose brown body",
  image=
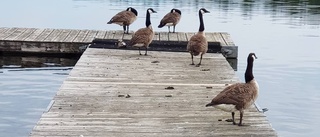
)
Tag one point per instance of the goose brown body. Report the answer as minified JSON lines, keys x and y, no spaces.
{"x":125,"y":18}
{"x":238,"y":96}
{"x":198,"y":43}
{"x":171,"y":19}
{"x":144,"y":36}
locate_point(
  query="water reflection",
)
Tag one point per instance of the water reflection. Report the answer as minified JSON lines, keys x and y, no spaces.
{"x":28,"y":84}
{"x":7,"y":62}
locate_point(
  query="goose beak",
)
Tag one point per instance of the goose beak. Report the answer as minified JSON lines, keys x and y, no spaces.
{"x":210,"y":104}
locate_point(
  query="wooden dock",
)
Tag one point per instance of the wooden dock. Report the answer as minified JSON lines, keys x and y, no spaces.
{"x":119,"y":93}
{"x":67,"y":41}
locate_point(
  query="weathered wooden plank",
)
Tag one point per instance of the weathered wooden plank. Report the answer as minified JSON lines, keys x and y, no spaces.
{"x":3,"y":30}
{"x":163,"y":36}
{"x":218,"y":38}
{"x":25,"y":34}
{"x":227,"y":38}
{"x":90,"y":36}
{"x":182,"y":36}
{"x":44,"y":35}
{"x":156,"y":36}
{"x":128,"y":36}
{"x":53,"y":35}
{"x":72,"y":35}
{"x":80,"y":37}
{"x":101,"y":34}
{"x":210,"y":37}
{"x":7,"y":33}
{"x":89,"y":102}
{"x":118,"y":35}
{"x":173,"y":37}
{"x":62,"y":36}
{"x":110,"y":34}
{"x":34,"y":35}
{"x":16,"y":33}
{"x":189,"y":35}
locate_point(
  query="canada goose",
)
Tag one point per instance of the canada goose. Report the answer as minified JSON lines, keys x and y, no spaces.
{"x":171,"y":19}
{"x":143,"y":37}
{"x":238,"y":96}
{"x":198,"y":42}
{"x":125,"y":18}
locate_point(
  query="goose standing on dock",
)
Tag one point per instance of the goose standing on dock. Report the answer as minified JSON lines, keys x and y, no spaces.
{"x":125,"y":18}
{"x":144,"y":36}
{"x":171,"y":19}
{"x":198,"y":43}
{"x":238,"y":96}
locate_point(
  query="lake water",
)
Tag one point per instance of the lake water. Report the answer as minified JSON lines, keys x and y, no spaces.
{"x":284,"y":34}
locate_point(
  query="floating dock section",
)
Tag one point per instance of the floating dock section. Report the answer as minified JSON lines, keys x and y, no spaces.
{"x":112,"y":92}
{"x":68,"y":41}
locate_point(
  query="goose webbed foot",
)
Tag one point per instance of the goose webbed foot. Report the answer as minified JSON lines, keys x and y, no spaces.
{"x":192,"y":64}
{"x":198,"y":65}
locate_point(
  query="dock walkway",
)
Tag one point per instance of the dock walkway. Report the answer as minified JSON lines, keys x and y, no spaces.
{"x":66,"y":41}
{"x":119,"y":93}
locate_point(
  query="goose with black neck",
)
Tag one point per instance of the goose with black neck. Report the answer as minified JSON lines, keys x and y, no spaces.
{"x":198,"y":43}
{"x":144,"y":36}
{"x":238,"y":96}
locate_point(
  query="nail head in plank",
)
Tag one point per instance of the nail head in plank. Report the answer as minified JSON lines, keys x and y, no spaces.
{"x":34,"y":35}
{"x":73,"y":34}
{"x":80,"y":37}
{"x":16,"y":33}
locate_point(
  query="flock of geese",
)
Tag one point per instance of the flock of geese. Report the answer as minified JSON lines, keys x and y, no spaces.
{"x":236,"y":97}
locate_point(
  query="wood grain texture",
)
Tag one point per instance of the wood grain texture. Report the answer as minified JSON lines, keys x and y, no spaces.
{"x":81,"y":36}
{"x":25,"y":34}
{"x":16,"y":33}
{"x":69,"y":40}
{"x":62,"y":36}
{"x":227,"y":38}
{"x":218,"y":37}
{"x":92,"y":100}
{"x":7,"y":33}
{"x":34,"y":35}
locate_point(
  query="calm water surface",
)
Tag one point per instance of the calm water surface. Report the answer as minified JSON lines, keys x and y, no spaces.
{"x":285,"y":35}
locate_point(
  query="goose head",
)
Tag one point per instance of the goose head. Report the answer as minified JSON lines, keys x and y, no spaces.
{"x":203,"y":10}
{"x":133,"y":10}
{"x":175,"y":10}
{"x":150,"y":10}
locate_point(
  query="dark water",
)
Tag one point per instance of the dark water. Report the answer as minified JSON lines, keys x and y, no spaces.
{"x":285,"y":35}
{"x":28,"y":84}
